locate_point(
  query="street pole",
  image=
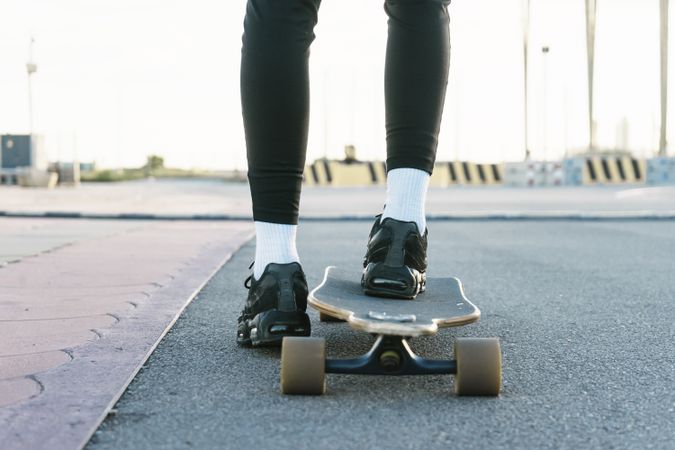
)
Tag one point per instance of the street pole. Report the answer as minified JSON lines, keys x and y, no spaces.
{"x":458,"y":118}
{"x":590,"y":53}
{"x":544,"y":113}
{"x":352,"y":109}
{"x":526,"y":36}
{"x":325,"y":113}
{"x":31,"y":68}
{"x":663,"y":143}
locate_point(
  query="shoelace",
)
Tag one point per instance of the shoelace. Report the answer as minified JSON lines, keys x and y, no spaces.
{"x":247,"y":285}
{"x":247,"y":281}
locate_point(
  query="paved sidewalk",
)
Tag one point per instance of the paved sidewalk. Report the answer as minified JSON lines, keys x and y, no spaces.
{"x":28,"y":237}
{"x":81,"y":308}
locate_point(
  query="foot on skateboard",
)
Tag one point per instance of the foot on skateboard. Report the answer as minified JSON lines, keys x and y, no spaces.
{"x":396,"y":260}
{"x":275,"y":307}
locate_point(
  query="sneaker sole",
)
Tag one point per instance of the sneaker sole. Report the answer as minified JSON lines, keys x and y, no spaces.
{"x":269,"y":328}
{"x":393,"y":282}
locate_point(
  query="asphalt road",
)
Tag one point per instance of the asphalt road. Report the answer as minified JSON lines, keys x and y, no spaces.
{"x":585,"y":312}
{"x":190,"y":198}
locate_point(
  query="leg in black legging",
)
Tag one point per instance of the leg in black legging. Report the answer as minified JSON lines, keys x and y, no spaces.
{"x":275,"y":102}
{"x":416,"y":76}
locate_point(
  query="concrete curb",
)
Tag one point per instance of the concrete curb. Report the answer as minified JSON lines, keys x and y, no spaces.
{"x":456,"y":216}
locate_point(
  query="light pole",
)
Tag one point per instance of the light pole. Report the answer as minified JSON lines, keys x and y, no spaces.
{"x":325,"y":113}
{"x":590,"y":53}
{"x":544,"y":110}
{"x":31,"y":68}
{"x":526,"y":36}
{"x":663,"y":143}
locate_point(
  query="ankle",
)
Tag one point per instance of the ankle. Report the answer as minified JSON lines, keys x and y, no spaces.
{"x":275,"y":243}
{"x":406,"y":196}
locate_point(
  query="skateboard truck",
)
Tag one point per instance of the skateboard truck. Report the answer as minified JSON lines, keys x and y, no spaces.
{"x":476,"y":364}
{"x":390,"y":355}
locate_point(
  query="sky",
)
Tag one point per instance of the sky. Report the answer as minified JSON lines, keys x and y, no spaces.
{"x":120,"y":79}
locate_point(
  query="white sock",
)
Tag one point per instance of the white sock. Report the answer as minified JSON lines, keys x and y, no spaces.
{"x":407,"y":195}
{"x":274,"y":243}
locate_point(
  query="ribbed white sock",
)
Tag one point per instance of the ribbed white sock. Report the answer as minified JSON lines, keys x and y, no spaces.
{"x":274,"y":243}
{"x":407,"y":195}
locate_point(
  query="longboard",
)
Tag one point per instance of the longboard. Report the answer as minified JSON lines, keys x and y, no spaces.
{"x":476,"y":363}
{"x":444,"y":304}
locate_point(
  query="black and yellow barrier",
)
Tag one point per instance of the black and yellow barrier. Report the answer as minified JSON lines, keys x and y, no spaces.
{"x":325,"y":172}
{"x":613,"y":169}
{"x":466,"y":173}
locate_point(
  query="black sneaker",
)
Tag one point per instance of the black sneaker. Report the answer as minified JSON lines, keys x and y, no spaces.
{"x":275,"y":306}
{"x":396,"y":260}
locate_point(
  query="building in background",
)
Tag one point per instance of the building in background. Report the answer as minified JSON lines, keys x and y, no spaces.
{"x":21,"y":152}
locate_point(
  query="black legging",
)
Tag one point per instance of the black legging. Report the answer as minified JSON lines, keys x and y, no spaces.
{"x":275,"y":93}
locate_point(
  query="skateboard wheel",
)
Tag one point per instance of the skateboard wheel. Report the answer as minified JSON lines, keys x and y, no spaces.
{"x":303,"y":366}
{"x":479,"y":366}
{"x":323,"y":317}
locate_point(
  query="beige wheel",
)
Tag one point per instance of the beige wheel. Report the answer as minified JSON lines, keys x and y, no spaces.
{"x":323,"y":317}
{"x":479,"y":366}
{"x":303,"y":366}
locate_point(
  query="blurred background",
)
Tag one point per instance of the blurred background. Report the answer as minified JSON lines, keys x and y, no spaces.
{"x":542,"y":92}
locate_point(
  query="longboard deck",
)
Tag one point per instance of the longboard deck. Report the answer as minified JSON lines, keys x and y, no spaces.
{"x":442,"y":305}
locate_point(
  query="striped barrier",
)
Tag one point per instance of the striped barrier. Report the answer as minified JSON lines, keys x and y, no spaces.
{"x":325,"y":172}
{"x":604,"y":170}
{"x":466,"y":173}
{"x":621,"y":169}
